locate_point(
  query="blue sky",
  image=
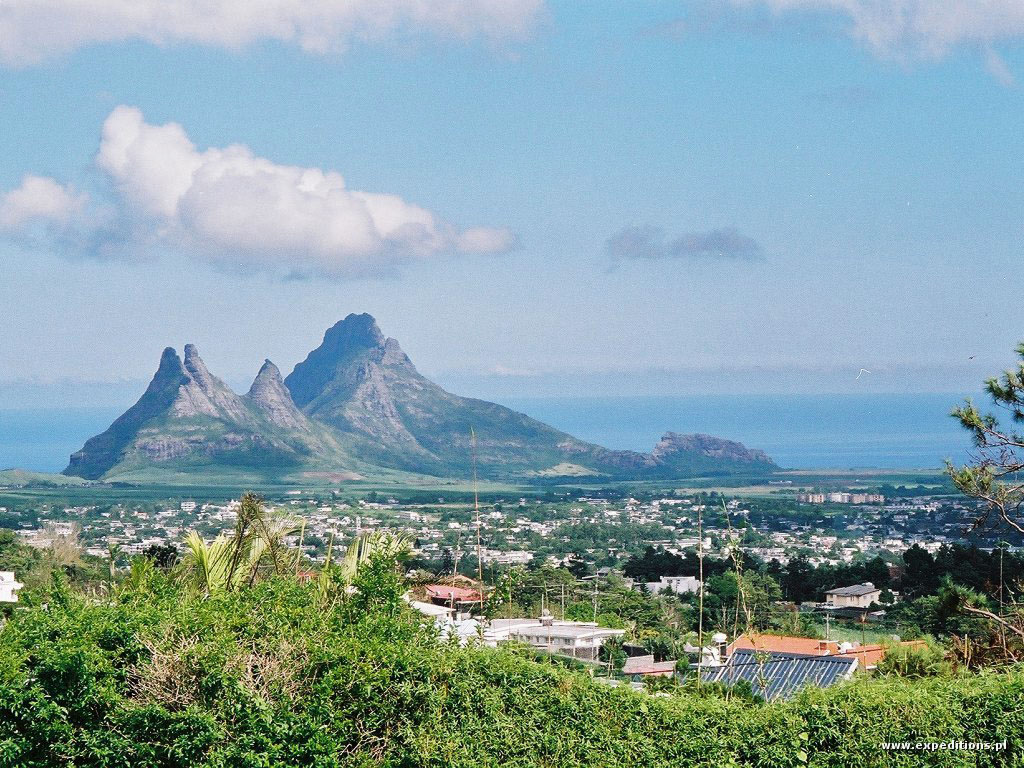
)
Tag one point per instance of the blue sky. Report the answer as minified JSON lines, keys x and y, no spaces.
{"x":800,"y":200}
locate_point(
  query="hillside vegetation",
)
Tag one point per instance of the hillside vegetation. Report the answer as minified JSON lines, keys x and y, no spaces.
{"x":285,"y":674}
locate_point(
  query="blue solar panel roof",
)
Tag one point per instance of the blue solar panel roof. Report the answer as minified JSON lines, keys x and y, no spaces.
{"x":774,"y":675}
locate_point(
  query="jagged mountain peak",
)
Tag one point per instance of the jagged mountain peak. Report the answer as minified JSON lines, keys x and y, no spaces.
{"x":170,"y":365}
{"x":205,"y":394}
{"x":268,"y":375}
{"x":268,"y":386}
{"x":197,"y":368}
{"x":354,"y":341}
{"x":270,"y":396}
{"x":354,"y":332}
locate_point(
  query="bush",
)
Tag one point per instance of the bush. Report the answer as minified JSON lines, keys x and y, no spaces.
{"x":267,"y":677}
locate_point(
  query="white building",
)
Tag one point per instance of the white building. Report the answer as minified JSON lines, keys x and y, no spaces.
{"x":579,"y":639}
{"x":9,"y":587}
{"x":857,"y":596}
{"x":677,"y":584}
{"x":512,"y":557}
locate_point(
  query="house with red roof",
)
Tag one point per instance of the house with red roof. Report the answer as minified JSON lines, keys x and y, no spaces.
{"x":868,"y":656}
{"x":453,"y":597}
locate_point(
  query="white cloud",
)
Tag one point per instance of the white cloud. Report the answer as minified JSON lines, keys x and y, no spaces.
{"x":39,"y":200}
{"x":229,"y":205}
{"x":34,"y":30}
{"x":918,"y":28}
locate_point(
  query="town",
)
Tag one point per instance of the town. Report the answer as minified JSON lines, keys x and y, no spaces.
{"x":554,"y":570}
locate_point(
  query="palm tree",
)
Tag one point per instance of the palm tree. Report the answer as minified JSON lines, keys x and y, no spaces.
{"x":336,"y":581}
{"x":256,"y":547}
{"x":374,"y":544}
{"x":206,"y":565}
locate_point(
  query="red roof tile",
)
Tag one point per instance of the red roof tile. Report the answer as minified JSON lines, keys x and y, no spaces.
{"x":459,"y":594}
{"x":784,"y":644}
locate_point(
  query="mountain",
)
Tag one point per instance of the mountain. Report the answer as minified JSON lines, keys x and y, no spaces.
{"x":367,"y":388}
{"x":356,"y":407}
{"x":189,"y":420}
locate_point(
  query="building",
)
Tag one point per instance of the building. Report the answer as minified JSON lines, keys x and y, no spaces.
{"x":459,"y":598}
{"x":639,"y":667}
{"x":775,"y":675}
{"x":868,"y":656}
{"x":677,"y":584}
{"x":857,"y":596}
{"x":9,"y":587}
{"x":579,"y":639}
{"x":513,"y":557}
{"x":783,"y":644}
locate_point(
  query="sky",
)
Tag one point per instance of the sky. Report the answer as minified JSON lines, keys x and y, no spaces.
{"x":534,"y":197}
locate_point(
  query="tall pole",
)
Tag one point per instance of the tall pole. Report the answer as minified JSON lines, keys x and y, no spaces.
{"x":1002,"y":627}
{"x":700,"y":593}
{"x":476,"y":506}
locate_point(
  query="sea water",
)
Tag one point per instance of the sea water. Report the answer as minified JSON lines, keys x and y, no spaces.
{"x":902,"y":431}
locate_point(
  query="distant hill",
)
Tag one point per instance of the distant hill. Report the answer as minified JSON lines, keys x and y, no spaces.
{"x":357,"y":407}
{"x":23,"y":478}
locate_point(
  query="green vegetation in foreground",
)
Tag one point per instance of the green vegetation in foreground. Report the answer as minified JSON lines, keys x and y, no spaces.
{"x":284,"y":674}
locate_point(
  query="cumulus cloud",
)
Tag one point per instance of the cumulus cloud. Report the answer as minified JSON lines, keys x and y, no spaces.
{"x":39,"y":200}
{"x":651,"y":243}
{"x":228,"y":205}
{"x":919,"y":28}
{"x":34,"y":30}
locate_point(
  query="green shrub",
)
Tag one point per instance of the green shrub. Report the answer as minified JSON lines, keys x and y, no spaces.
{"x":267,"y":677}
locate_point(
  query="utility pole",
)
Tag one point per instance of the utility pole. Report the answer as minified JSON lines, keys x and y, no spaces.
{"x":1002,"y":627}
{"x":700,"y":593}
{"x":298,"y":555}
{"x":476,"y":506}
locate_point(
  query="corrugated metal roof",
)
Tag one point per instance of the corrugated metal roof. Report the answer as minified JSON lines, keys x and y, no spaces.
{"x":855,"y":591}
{"x":774,"y":675}
{"x":646,"y":665}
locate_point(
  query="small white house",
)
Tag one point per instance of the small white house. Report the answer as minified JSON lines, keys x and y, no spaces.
{"x":857,"y":596}
{"x":677,"y":584}
{"x":9,"y":587}
{"x":579,"y":639}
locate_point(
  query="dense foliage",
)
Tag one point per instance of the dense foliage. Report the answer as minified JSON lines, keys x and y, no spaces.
{"x":270,"y":675}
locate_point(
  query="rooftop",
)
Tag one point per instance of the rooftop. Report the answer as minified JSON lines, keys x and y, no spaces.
{"x":775,"y":675}
{"x":784,"y":644}
{"x":856,"y":590}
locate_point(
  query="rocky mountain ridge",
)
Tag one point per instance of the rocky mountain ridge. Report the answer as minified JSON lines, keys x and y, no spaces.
{"x":357,"y":404}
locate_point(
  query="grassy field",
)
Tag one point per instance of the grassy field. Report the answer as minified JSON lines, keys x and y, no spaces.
{"x":18,"y":486}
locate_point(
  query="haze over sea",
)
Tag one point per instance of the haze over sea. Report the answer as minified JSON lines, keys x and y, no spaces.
{"x":896,"y":431}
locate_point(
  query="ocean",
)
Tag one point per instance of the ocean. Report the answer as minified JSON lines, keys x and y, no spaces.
{"x":806,"y":431}
{"x":904,"y":431}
